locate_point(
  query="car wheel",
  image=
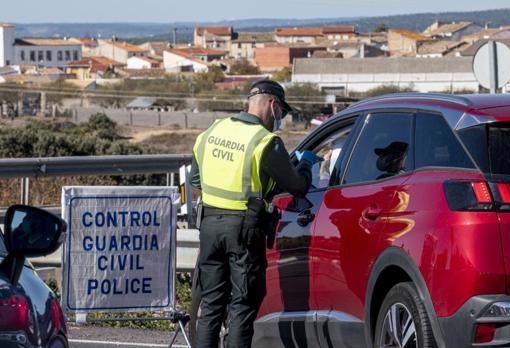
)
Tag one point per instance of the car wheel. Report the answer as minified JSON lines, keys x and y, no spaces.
{"x":403,"y":321}
{"x":58,"y":342}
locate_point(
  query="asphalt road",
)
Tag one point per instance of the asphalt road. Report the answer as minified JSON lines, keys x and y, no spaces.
{"x":107,"y":337}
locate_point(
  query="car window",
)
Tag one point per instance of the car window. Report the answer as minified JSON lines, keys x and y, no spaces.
{"x":436,"y":145}
{"x":3,"y":249}
{"x":383,"y":149}
{"x":330,"y":150}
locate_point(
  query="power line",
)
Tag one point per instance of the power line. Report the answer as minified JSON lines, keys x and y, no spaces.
{"x":125,"y":95}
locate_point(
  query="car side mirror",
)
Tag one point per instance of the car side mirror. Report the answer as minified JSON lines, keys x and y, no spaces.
{"x":33,"y":232}
{"x":29,"y":232}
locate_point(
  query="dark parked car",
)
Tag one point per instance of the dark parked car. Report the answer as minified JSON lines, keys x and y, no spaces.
{"x":30,"y":313}
{"x":404,"y":239}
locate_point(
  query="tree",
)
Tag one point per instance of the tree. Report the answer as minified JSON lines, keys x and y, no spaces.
{"x":381,"y":28}
{"x":214,"y":74}
{"x":307,"y":99}
{"x":244,"y":67}
{"x":283,"y":75}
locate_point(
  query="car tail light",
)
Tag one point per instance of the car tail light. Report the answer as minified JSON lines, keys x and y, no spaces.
{"x":504,"y":192}
{"x":57,"y":317}
{"x":485,"y":332}
{"x":468,"y":196}
{"x":14,"y":314}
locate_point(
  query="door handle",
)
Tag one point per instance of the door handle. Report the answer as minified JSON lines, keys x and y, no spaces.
{"x":372,"y":212}
{"x":305,"y":218}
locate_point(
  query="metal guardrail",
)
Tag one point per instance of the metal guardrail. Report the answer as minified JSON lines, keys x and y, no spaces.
{"x":187,"y":240}
{"x":91,"y":165}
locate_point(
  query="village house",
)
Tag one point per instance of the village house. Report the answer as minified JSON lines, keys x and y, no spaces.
{"x":93,"y":67}
{"x":191,"y":59}
{"x":297,"y":35}
{"x":245,"y":44}
{"x":488,"y":33}
{"x":275,"y":58}
{"x":118,"y":50}
{"x":451,"y":31}
{"x":213,"y":37}
{"x":136,"y":63}
{"x":403,"y":42}
{"x":339,"y":33}
{"x":438,"y":49}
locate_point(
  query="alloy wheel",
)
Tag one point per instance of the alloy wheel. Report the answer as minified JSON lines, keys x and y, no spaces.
{"x":399,"y":329}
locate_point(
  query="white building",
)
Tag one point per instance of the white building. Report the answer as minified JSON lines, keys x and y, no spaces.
{"x":138,"y":63}
{"x":175,"y":61}
{"x":7,"y":35}
{"x":49,"y":53}
{"x":341,"y":76}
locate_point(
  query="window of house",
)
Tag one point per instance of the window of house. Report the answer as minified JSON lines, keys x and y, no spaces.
{"x":239,"y":45}
{"x":22,"y":55}
{"x":436,"y":145}
{"x":75,"y":55}
{"x":60,"y":56}
{"x":40,"y":56}
{"x":49,"y":56}
{"x":68,"y":55}
{"x":383,"y":149}
{"x":32,"y":56}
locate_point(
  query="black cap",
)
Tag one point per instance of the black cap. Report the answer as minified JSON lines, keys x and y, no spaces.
{"x":396,"y":147}
{"x":273,"y":88}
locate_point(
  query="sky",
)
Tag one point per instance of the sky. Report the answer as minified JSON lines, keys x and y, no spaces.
{"x":56,"y":11}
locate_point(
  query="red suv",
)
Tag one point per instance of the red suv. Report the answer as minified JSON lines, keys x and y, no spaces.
{"x":404,"y":239}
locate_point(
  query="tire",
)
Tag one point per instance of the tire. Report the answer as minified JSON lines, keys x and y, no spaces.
{"x":59,"y":342}
{"x":403,"y":321}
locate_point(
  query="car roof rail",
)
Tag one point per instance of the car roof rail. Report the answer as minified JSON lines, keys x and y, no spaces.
{"x":457,"y":99}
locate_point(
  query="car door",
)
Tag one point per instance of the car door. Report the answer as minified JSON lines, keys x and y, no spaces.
{"x":351,"y":219}
{"x":289,"y":285}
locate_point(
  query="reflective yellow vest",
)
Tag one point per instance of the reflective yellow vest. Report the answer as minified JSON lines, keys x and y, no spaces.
{"x":228,"y":156}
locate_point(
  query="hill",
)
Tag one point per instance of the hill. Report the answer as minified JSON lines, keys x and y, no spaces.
{"x":163,"y":31}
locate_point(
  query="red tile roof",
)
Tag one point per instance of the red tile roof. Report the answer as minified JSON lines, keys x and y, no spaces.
{"x":343,"y":29}
{"x":128,"y":47}
{"x":299,"y":32}
{"x":197,"y":51}
{"x":219,"y":31}
{"x":96,"y":61}
{"x":410,"y":34}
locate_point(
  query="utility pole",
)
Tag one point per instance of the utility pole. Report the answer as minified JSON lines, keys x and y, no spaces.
{"x":175,"y":36}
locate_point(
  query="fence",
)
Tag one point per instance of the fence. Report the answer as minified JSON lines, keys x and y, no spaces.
{"x":24,"y":169}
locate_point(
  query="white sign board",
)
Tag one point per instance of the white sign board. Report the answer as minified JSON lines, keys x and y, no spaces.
{"x":491,"y":65}
{"x":120,"y":250}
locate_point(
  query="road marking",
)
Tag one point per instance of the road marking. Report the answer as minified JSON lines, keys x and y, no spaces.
{"x":126,"y":344}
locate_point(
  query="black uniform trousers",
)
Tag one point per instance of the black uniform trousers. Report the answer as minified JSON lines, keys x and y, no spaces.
{"x":232,"y":275}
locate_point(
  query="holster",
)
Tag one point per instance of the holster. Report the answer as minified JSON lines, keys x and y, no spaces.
{"x":269,"y":223}
{"x":259,"y":224}
{"x":250,"y":231}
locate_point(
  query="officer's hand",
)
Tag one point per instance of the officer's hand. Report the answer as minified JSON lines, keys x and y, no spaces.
{"x":308,"y":156}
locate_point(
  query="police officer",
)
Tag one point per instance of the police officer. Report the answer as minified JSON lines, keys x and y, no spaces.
{"x":236,"y":163}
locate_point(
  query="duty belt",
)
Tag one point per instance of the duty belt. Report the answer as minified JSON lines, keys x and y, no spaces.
{"x":208,"y":211}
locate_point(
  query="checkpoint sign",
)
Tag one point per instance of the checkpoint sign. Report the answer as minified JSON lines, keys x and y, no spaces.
{"x":120,"y":249}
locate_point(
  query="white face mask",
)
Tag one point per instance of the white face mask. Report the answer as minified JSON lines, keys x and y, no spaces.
{"x":277,"y":122}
